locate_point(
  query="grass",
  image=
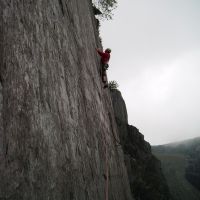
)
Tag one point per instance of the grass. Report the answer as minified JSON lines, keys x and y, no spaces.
{"x":173,"y":165}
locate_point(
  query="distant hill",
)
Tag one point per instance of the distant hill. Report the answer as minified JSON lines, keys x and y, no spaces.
{"x":181,"y":167}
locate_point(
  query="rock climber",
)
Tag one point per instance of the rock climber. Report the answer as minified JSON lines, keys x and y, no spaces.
{"x":105,"y":57}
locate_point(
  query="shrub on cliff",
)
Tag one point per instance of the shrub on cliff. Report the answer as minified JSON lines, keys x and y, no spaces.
{"x":106,"y":7}
{"x":113,"y":85}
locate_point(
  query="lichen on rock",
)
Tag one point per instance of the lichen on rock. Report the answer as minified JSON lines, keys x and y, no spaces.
{"x":56,"y":119}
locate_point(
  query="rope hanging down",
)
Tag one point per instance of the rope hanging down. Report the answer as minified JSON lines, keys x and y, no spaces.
{"x":106,"y":175}
{"x":106,"y":189}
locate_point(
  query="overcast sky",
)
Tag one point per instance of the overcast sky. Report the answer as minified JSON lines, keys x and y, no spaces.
{"x":156,"y":61}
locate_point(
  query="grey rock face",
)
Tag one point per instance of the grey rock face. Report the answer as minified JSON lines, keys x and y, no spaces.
{"x":144,"y":170}
{"x":56,"y":121}
{"x":119,"y":106}
{"x":1,"y":121}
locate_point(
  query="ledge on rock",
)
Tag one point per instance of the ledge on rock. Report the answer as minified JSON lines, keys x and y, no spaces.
{"x":144,"y":170}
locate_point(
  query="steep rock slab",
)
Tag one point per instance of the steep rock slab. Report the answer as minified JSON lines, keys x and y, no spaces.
{"x":56,"y":121}
{"x":144,"y":170}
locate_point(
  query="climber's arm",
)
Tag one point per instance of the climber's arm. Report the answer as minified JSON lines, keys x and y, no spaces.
{"x":100,"y":52}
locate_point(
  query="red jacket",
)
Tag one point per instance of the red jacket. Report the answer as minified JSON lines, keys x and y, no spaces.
{"x":105,"y":57}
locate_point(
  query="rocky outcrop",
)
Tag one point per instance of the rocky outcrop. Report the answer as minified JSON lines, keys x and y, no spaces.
{"x":144,"y":170}
{"x":56,"y":120}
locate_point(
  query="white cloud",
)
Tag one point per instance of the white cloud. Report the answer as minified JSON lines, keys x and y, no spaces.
{"x":155,"y":60}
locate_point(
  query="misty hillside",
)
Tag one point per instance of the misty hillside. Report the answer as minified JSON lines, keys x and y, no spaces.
{"x":181,"y":167}
{"x":185,"y":147}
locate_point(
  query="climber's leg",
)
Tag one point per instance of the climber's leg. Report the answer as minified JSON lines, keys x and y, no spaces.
{"x":104,"y":77}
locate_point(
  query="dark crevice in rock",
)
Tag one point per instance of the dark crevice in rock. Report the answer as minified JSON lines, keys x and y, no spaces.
{"x":61,"y":6}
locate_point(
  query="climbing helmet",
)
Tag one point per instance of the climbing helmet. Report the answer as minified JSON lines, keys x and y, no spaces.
{"x":108,"y":50}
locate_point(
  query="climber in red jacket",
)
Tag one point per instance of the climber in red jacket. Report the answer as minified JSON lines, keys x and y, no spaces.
{"x":105,"y":57}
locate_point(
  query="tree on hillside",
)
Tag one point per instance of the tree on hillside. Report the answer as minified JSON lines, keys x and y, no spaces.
{"x":106,"y":7}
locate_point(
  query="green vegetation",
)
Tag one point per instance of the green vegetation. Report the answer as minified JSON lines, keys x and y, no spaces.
{"x":113,"y":85}
{"x":175,"y":159}
{"x":106,"y":7}
{"x":174,"y":170}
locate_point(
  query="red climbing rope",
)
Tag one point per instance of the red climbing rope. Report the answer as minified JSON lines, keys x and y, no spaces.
{"x":106,"y":189}
{"x":106,"y":169}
